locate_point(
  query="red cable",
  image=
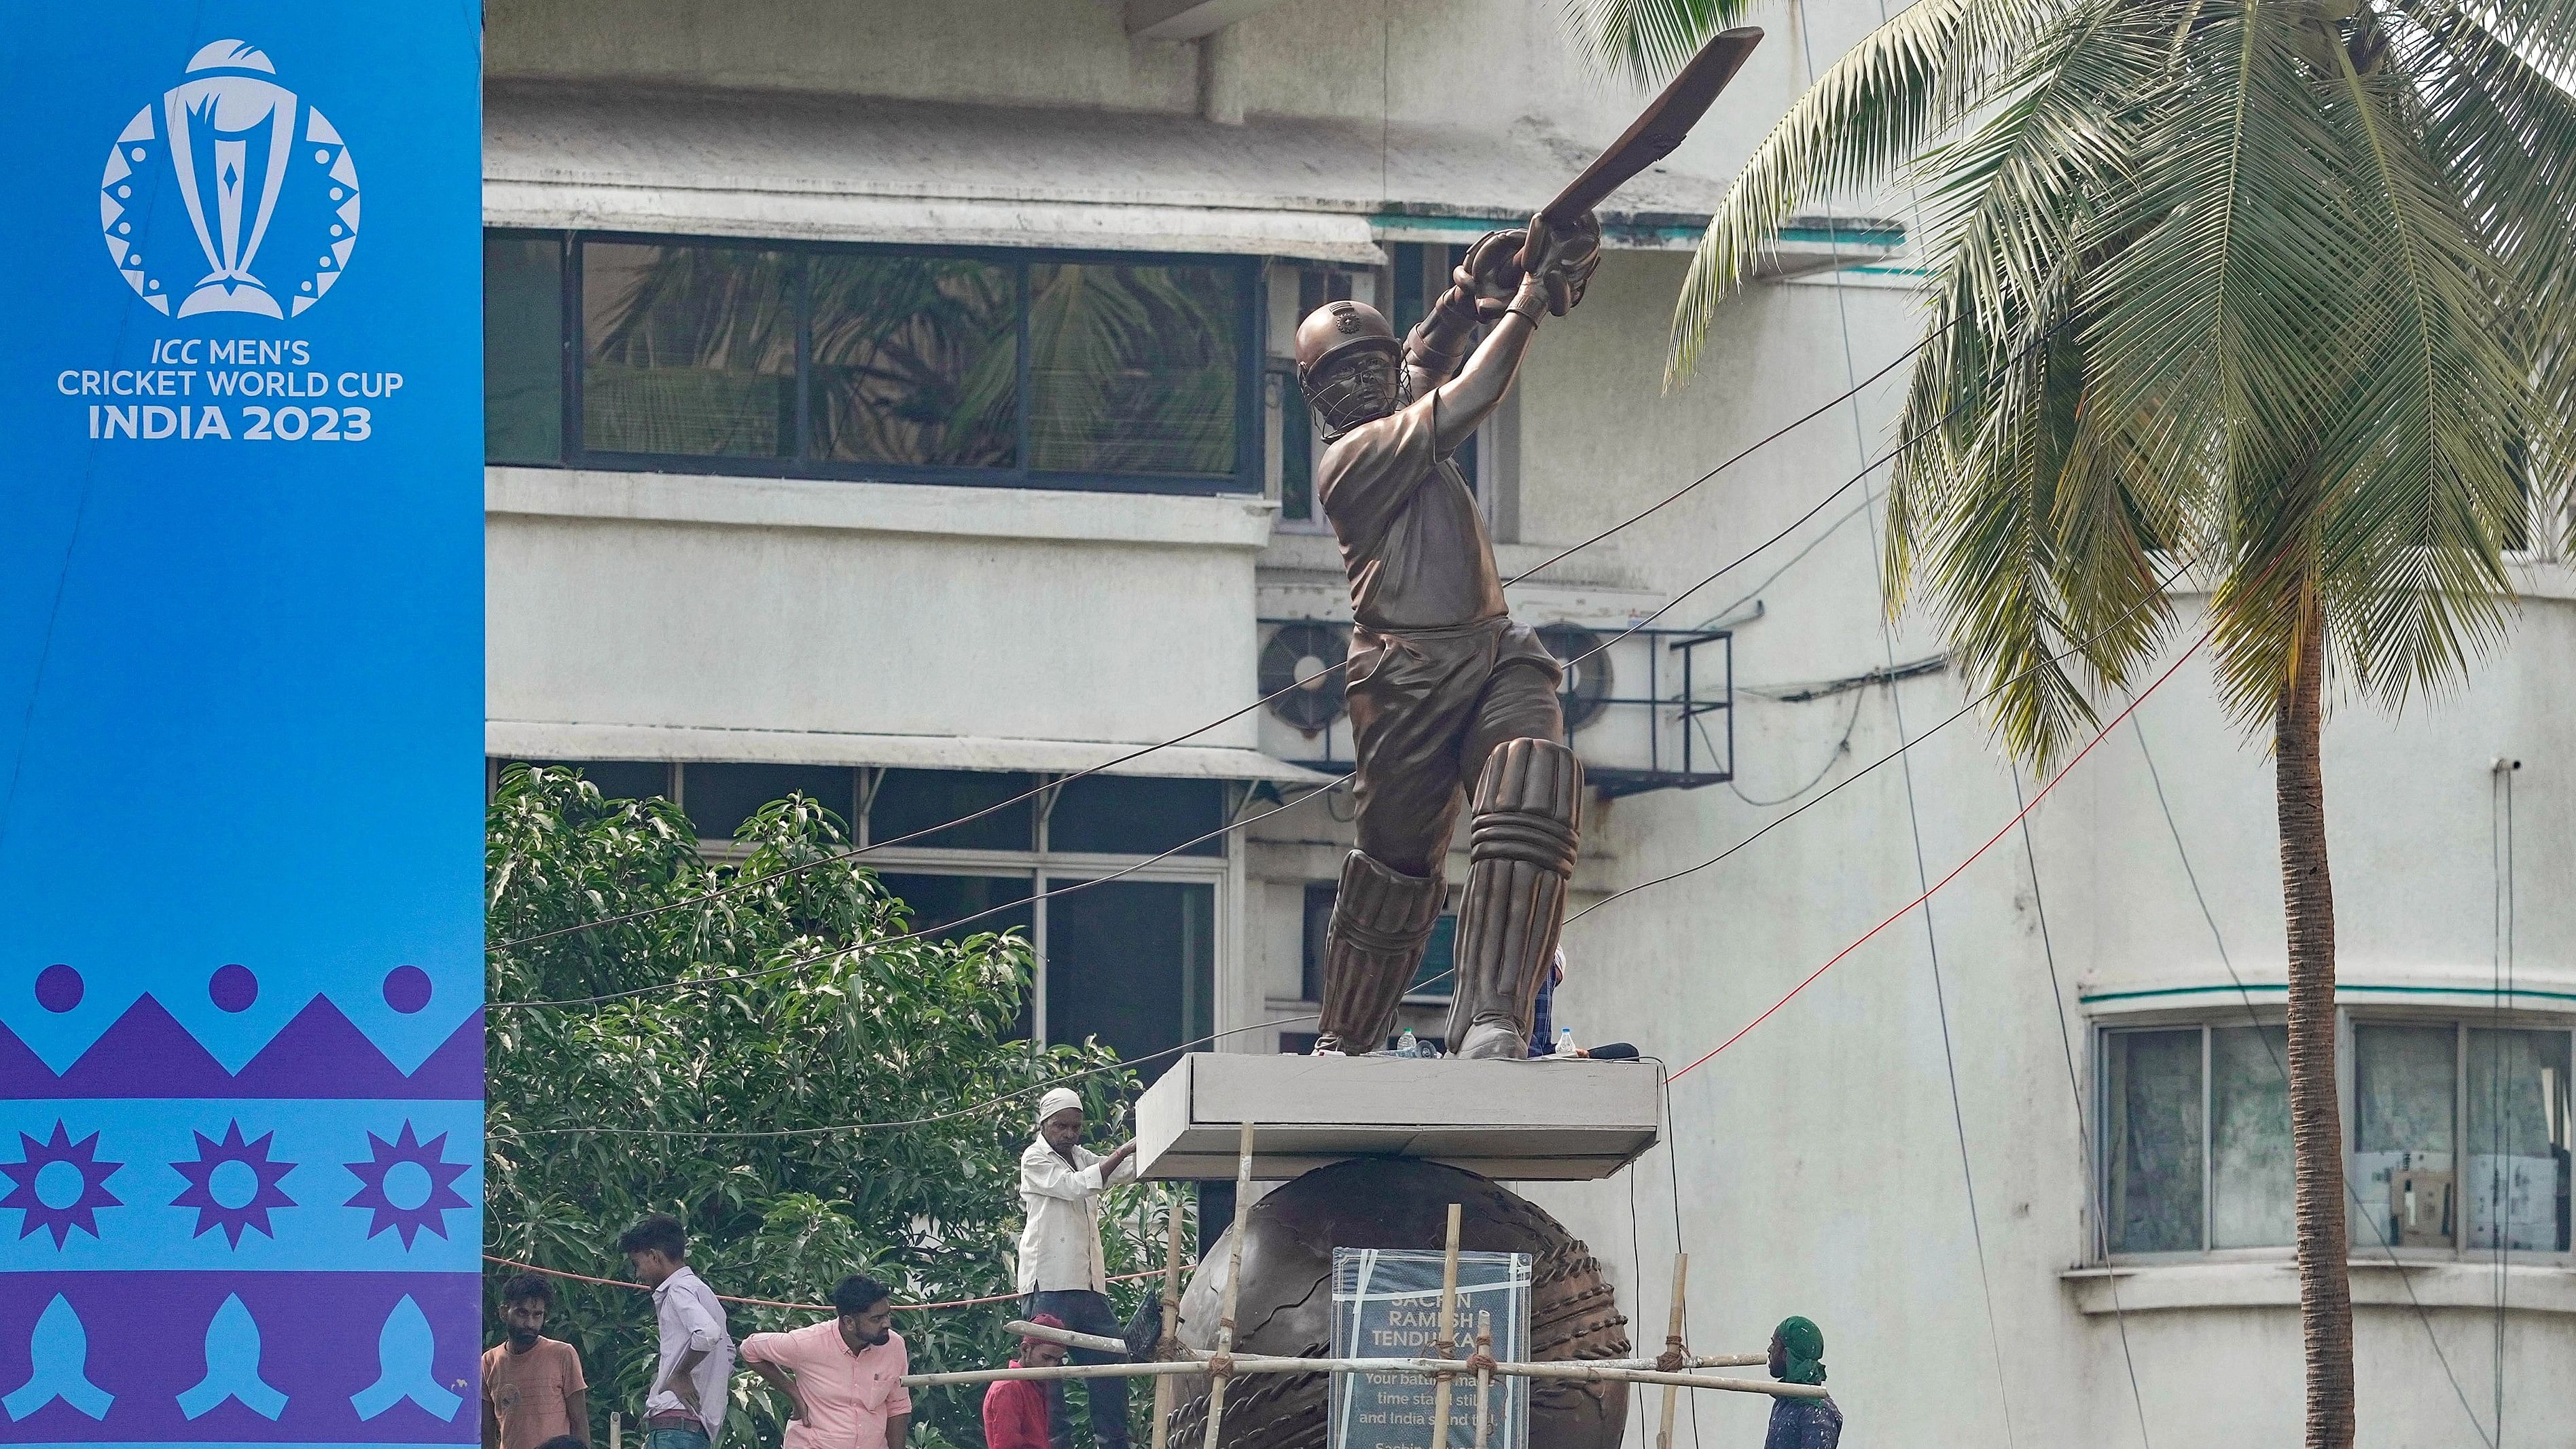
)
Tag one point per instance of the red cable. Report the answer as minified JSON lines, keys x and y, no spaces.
{"x":803,"y":1307}
{"x":1909,"y":906}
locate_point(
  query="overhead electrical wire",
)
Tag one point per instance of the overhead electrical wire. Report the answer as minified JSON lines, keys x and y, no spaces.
{"x":1310,"y":681}
{"x":1914,"y":815}
{"x":839,"y":856}
{"x":2500,"y":858}
{"x":1833,"y":757}
{"x":1945,"y":722}
{"x":1323,"y":787}
{"x":2176,"y":572}
{"x":1935,"y":887}
{"x":2075,"y":1088}
{"x":602,"y":998}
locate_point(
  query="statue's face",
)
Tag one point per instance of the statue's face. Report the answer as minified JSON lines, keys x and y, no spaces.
{"x":1354,"y":388}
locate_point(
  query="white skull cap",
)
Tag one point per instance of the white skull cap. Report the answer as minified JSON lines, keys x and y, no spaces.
{"x":1056,"y":1101}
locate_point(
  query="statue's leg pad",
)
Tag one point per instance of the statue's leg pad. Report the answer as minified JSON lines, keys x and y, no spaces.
{"x":1382,"y":918}
{"x":1521,"y":844}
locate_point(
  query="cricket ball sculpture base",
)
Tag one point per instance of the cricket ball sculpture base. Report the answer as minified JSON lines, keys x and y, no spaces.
{"x":1286,"y":1302}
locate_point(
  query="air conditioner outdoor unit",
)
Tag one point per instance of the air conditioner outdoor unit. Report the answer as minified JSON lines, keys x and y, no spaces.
{"x":1649,"y":708}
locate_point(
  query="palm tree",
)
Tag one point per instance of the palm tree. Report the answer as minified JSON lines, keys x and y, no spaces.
{"x":2278,"y":287}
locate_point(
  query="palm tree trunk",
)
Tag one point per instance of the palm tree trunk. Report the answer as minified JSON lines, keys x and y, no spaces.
{"x":2316,"y":1127}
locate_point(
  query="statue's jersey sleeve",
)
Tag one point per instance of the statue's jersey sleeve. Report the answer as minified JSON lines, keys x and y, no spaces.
{"x":1412,"y":539}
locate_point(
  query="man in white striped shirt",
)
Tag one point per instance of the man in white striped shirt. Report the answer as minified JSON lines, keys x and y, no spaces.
{"x":686,"y":1407}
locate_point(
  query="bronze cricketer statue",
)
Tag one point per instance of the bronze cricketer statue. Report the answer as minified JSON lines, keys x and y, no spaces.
{"x":1444,"y":689}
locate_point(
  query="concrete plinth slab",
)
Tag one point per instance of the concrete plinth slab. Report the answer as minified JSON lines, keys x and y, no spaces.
{"x":1545,"y":1120}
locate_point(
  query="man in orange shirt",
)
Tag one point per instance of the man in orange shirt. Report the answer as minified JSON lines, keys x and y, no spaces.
{"x":533,"y":1390}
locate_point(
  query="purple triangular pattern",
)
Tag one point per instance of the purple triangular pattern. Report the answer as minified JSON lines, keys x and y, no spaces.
{"x":147,"y":1053}
{"x":22,"y":1072}
{"x":320,"y":1055}
{"x":454,"y":1072}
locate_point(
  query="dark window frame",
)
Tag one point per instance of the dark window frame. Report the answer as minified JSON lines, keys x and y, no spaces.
{"x":1245,"y":274}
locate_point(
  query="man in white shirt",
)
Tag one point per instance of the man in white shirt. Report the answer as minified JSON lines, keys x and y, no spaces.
{"x":686,"y":1407}
{"x":1061,"y":1268}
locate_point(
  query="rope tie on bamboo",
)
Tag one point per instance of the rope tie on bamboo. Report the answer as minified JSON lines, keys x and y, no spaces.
{"x":1479,"y":1362}
{"x":1220,"y":1365}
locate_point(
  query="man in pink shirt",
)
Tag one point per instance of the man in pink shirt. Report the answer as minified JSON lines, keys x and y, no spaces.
{"x":842,"y":1379}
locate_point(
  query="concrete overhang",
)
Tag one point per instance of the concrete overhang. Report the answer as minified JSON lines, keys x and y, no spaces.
{"x":1187,"y":19}
{"x":800,"y":167}
{"x":525,"y":739}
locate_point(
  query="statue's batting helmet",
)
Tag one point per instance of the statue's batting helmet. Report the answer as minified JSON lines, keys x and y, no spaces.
{"x":1339,"y":327}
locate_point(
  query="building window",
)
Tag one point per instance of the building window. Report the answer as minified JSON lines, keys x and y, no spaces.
{"x":1131,"y":961}
{"x":523,"y":349}
{"x":872,"y":362}
{"x":1289,"y":427}
{"x":2458,"y":1137}
{"x":915,"y":361}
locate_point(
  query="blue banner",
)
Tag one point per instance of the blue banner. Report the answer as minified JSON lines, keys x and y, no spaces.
{"x":241,"y":717}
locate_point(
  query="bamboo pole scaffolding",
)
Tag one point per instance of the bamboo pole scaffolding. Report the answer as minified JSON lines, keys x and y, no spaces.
{"x":1159,"y":1367}
{"x":1171,"y":1316}
{"x":1673,"y":1344}
{"x":1095,"y":1342}
{"x":1098,"y":1343}
{"x":1441,"y":1389}
{"x":1408,"y":1367}
{"x":1221,"y":1364}
{"x":1485,"y":1376}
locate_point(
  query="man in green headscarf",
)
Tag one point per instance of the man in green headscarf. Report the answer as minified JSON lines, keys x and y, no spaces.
{"x":1798,"y":1357}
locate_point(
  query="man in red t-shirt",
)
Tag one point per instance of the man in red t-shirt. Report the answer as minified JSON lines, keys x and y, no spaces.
{"x":1015,"y":1410}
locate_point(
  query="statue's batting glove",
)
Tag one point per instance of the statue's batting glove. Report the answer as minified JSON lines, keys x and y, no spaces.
{"x":1570,"y":257}
{"x":1491,"y":272}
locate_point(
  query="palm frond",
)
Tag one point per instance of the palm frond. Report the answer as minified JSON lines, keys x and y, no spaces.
{"x":2506,"y":134}
{"x":1648,"y":40}
{"x":1905,"y":84}
{"x":2411,"y":570}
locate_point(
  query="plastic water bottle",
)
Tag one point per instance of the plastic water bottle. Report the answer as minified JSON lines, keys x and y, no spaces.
{"x":1565,"y":1041}
{"x":1406,"y":1045}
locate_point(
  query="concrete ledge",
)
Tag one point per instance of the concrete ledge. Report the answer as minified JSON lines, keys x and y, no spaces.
{"x":1517,"y":1121}
{"x":2376,"y":1283}
{"x":1068,"y":515}
{"x":571,"y":740}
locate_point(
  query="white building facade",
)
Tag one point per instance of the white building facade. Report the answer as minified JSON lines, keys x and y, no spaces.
{"x":890,"y":402}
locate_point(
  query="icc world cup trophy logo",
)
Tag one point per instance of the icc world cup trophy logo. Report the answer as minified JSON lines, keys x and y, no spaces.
{"x":229,"y":193}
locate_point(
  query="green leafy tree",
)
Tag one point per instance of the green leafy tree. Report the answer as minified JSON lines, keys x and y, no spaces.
{"x":847,"y":1026}
{"x":2277,"y":288}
